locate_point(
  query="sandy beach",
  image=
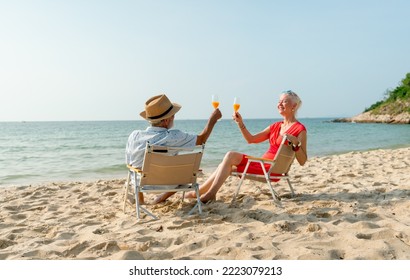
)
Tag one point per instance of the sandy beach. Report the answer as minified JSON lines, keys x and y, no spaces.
{"x":349,"y":206}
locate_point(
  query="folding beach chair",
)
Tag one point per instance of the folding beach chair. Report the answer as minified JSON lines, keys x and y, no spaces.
{"x":166,"y":169}
{"x":279,"y":168}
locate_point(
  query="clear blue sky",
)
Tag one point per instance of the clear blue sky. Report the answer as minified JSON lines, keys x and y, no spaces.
{"x":100,"y":60}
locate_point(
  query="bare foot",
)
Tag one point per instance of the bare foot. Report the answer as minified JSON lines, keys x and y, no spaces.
{"x":205,"y":198}
{"x":190,"y":195}
{"x":162,"y":197}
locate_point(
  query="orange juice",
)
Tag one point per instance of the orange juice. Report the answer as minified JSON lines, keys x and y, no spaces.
{"x":215,"y":104}
{"x":236,"y":107}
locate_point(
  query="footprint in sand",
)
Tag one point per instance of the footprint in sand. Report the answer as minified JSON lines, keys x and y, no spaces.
{"x":363,"y":236}
{"x":313,"y":228}
{"x":181,"y":226}
{"x":18,"y":217}
{"x":76,"y":249}
{"x":337,"y":254}
{"x":6,"y":243}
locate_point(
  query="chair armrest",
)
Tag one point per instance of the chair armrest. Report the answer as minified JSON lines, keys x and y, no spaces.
{"x":259,"y":159}
{"x":134,"y":168}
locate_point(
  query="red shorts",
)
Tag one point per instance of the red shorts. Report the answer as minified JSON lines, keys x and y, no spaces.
{"x":254,"y":167}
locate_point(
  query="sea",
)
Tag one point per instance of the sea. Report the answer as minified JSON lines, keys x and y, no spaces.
{"x":42,"y":152}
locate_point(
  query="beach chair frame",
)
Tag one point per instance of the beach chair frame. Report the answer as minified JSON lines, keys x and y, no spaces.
{"x":166,"y":169}
{"x":279,"y":168}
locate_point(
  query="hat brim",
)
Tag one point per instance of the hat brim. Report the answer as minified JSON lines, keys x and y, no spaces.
{"x":175,"y":108}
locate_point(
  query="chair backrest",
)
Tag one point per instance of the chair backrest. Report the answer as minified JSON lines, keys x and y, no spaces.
{"x":170,"y":165}
{"x":283,"y":158}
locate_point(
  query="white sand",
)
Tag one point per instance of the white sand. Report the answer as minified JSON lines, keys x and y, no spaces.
{"x":351,"y":206}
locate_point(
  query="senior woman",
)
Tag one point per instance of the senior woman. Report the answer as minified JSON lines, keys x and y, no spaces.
{"x":288,"y":105}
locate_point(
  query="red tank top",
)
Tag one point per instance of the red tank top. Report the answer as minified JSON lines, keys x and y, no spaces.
{"x":275,"y":138}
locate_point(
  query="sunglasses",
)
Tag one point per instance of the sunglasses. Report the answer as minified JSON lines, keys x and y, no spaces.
{"x":289,"y":92}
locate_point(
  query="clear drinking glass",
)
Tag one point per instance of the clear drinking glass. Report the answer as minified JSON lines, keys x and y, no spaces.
{"x":215,"y":101}
{"x":236,"y":104}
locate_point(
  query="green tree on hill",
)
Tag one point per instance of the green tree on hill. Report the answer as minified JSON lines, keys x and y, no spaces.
{"x":395,"y":101}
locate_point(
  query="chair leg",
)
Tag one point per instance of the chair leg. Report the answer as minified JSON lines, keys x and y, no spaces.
{"x":275,"y":195}
{"x":240,"y":182}
{"x":138,"y":206}
{"x":137,"y":202}
{"x":148,"y":213}
{"x":291,"y":188}
{"x":198,"y":202}
{"x":127,"y":185}
{"x":198,"y":199}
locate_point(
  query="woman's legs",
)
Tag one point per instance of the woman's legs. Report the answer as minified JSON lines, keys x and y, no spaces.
{"x":210,"y":187}
{"x":215,"y":182}
{"x":205,"y":186}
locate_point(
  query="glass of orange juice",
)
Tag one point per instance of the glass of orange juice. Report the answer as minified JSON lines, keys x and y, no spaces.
{"x":215,"y":101}
{"x":236,"y":104}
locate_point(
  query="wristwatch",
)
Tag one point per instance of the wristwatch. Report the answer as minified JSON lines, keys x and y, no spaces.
{"x":296,"y":147}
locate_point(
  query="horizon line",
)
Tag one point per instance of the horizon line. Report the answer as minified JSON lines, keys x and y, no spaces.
{"x":128,"y":120}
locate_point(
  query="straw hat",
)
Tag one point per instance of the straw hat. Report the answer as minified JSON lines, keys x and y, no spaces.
{"x":159,"y":107}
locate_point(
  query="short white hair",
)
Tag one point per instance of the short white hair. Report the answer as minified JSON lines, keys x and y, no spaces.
{"x":155,"y":122}
{"x":295,"y":98}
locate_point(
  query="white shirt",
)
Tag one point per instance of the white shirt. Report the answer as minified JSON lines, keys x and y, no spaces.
{"x":135,"y":149}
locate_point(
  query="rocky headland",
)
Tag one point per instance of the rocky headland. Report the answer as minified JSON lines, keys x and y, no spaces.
{"x":394,"y":108}
{"x":369,"y":117}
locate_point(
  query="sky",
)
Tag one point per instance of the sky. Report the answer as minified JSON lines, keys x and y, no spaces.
{"x":101,"y":60}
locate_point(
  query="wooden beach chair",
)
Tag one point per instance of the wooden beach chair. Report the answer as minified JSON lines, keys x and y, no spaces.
{"x":166,"y":169}
{"x":279,"y":168}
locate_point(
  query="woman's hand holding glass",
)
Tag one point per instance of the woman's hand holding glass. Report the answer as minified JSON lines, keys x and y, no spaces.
{"x":237,"y":117}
